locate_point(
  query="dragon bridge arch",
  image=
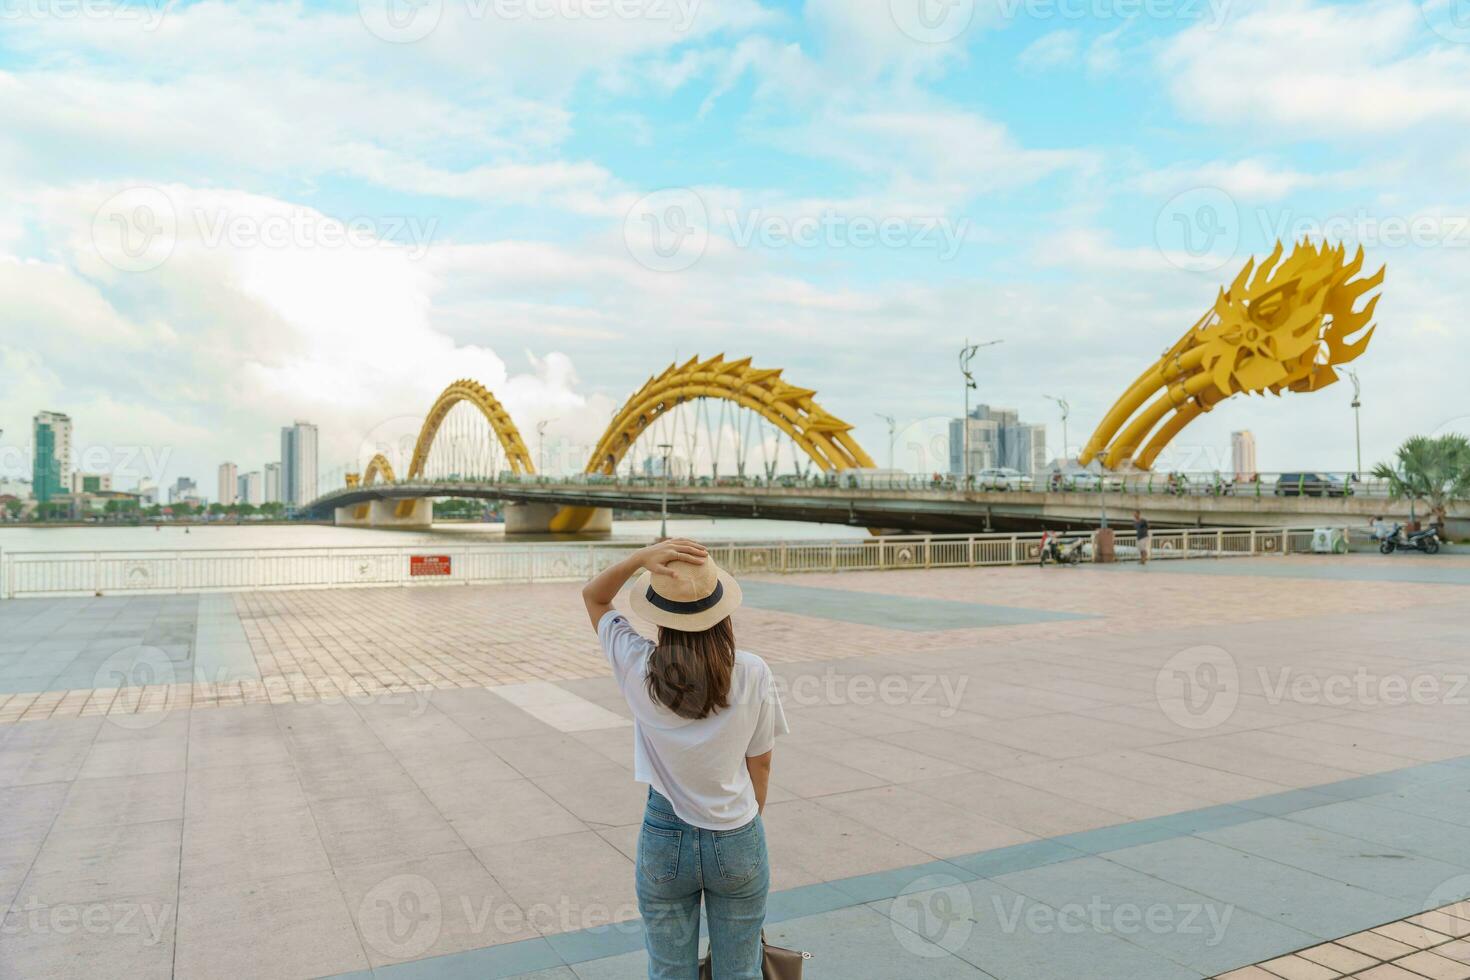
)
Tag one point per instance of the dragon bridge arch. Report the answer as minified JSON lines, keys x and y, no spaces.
{"x":1285,"y":328}
{"x":466,"y":390}
{"x":378,"y":468}
{"x":825,"y":438}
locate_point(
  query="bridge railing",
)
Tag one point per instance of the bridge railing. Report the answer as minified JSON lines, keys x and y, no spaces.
{"x":60,"y":573}
{"x":1320,"y":483}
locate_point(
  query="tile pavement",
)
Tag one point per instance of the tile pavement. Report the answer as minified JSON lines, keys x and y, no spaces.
{"x":128,"y":655}
{"x":1427,"y":946}
{"x":297,"y":838}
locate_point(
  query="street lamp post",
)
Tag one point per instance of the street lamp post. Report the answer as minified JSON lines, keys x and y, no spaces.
{"x":541,"y":446}
{"x":1357,"y":421}
{"x":1066,"y":411}
{"x":667,"y":450}
{"x":967,"y":354}
{"x":892,"y":426}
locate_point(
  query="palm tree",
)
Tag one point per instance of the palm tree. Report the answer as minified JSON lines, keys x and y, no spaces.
{"x":1434,"y":470}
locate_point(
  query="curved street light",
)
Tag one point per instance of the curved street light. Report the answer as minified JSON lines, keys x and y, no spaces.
{"x":967,"y":355}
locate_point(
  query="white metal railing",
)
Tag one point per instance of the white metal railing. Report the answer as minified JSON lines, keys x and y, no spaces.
{"x":59,"y":573}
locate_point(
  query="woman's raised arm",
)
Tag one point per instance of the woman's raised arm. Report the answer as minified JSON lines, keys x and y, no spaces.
{"x":602,"y":588}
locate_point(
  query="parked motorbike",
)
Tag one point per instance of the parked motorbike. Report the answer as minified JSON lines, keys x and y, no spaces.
{"x":1426,"y":540}
{"x":1062,"y":552}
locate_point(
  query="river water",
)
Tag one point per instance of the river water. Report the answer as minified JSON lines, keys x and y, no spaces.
{"x":201,"y":536}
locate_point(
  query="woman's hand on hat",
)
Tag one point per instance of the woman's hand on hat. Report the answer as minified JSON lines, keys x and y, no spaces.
{"x":659,"y":557}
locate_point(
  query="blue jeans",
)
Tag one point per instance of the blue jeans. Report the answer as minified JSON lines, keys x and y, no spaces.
{"x":677,"y":865}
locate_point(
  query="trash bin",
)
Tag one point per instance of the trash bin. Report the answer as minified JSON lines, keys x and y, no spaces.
{"x":1329,"y":541}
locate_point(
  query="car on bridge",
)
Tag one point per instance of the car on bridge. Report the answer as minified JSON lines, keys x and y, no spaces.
{"x":1002,"y":478}
{"x":1311,"y":485}
{"x":1083,"y":481}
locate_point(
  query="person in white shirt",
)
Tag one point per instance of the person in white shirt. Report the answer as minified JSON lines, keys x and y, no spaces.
{"x":705,"y":721}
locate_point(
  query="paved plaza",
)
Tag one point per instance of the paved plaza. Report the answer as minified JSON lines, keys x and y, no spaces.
{"x":1099,"y":772}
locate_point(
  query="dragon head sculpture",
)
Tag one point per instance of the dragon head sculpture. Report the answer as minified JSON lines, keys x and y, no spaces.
{"x":1282,"y":325}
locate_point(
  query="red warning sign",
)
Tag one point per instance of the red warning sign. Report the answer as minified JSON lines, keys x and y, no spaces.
{"x":428,"y":565}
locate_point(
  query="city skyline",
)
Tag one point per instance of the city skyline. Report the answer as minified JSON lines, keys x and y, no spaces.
{"x":56,"y":467}
{"x":505,"y":237}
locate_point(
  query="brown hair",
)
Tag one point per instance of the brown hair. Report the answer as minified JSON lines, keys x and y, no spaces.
{"x":689,"y":673}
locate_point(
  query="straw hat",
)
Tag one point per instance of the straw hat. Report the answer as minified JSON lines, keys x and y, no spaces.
{"x":689,"y":597}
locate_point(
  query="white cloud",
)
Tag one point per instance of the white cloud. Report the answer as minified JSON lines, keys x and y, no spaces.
{"x":937,"y":156}
{"x":1058,"y":49}
{"x":1319,"y":69}
{"x":1104,"y":54}
{"x":1250,"y":179}
{"x":536,"y":48}
{"x":865,"y":40}
{"x":317,"y":325}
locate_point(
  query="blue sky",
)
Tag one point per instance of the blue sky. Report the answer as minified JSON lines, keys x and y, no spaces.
{"x":358,"y":203}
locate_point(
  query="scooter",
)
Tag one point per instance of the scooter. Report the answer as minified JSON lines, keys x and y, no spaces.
{"x":1067,"y":552}
{"x":1426,"y":540}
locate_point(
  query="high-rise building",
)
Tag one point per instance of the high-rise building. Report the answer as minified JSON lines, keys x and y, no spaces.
{"x":298,"y":464}
{"x":678,"y":467}
{"x":271,"y":493}
{"x":90,"y":482}
{"x":249,"y":489}
{"x":1243,"y":454}
{"x":998,"y":438}
{"x":228,"y":484}
{"x":51,"y":437}
{"x":183,"y":489}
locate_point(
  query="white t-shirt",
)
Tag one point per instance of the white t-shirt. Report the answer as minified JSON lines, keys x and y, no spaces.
{"x":697,"y":764}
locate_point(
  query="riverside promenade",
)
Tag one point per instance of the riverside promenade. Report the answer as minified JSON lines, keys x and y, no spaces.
{"x":1112,"y":772}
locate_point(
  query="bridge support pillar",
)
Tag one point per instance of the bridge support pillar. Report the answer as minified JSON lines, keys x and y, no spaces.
{"x":600,"y":522}
{"x":541,"y":519}
{"x":385,"y":513}
{"x":415,"y":513}
{"x":354,"y":515}
{"x":529,"y":518}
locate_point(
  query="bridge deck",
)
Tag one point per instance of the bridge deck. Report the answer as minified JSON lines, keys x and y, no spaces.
{"x":920,"y":509}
